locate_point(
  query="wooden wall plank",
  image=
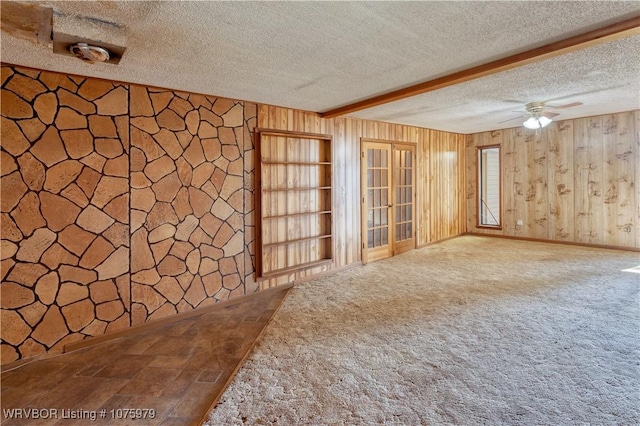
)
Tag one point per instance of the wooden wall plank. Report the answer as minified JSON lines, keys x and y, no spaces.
{"x":440,"y":208}
{"x":561,"y":182}
{"x":576,"y":182}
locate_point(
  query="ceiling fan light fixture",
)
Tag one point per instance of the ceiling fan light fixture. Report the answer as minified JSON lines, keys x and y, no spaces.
{"x":537,"y":122}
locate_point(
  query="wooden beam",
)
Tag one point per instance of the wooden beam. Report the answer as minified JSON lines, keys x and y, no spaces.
{"x":602,"y":35}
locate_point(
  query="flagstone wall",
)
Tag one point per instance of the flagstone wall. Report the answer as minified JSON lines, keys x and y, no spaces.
{"x":120,"y":204}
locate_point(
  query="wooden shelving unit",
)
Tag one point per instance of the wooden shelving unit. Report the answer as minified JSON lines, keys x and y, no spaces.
{"x":293,"y":201}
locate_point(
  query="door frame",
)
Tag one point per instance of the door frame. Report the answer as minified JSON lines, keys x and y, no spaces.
{"x":393,"y":248}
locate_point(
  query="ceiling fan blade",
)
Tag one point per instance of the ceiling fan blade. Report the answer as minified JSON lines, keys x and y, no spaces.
{"x":549,"y":114}
{"x":571,"y":105}
{"x":514,"y":118}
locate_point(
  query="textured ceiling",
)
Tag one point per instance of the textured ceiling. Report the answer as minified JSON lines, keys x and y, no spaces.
{"x":321,"y":55}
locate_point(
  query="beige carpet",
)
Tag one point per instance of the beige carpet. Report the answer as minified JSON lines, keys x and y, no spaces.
{"x":470,"y":331}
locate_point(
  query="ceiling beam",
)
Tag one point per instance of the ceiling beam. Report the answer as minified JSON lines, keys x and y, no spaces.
{"x":602,"y":35}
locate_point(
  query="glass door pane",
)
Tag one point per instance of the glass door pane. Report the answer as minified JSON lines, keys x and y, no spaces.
{"x":376,"y":179}
{"x":403,"y":187}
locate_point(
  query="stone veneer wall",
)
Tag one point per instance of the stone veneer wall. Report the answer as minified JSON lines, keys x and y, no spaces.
{"x":76,"y":195}
{"x":187,"y":201}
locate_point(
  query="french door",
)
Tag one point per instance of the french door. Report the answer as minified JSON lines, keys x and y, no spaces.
{"x":388,"y":199}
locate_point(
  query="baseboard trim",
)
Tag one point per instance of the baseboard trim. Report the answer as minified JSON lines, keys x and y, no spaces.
{"x":430,"y":243}
{"x":542,"y":240}
{"x":74,"y":346}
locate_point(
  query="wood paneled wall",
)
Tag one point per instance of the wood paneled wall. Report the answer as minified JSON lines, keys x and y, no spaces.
{"x":440,"y":187}
{"x":577,"y":181}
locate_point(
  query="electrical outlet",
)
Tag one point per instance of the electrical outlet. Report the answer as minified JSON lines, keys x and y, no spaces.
{"x":519,"y":222}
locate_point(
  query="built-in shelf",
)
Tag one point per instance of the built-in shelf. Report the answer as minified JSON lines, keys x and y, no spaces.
{"x":299,"y":163}
{"x":316,"y":188}
{"x":308,"y":265}
{"x":294,"y":201}
{"x":297,"y":215}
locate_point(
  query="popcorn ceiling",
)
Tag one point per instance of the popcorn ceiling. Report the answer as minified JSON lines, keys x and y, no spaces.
{"x":320,"y":55}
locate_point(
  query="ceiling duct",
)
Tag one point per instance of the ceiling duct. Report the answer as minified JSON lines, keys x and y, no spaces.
{"x":89,"y":39}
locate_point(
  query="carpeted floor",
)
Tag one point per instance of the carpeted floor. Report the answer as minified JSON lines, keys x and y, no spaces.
{"x":469,"y":331}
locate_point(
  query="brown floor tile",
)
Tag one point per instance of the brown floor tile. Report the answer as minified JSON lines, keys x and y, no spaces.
{"x":150,"y":381}
{"x":126,"y":367}
{"x":196,"y":399}
{"x":210,"y":376}
{"x":182,"y":382}
{"x":177,"y":370}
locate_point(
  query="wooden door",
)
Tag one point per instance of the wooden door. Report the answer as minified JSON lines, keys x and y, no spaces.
{"x":404,"y":200}
{"x":376,"y":201}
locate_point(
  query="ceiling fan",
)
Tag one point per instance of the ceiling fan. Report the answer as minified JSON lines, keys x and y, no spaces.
{"x":539,"y":114}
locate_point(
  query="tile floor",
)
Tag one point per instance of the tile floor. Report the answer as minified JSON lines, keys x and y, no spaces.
{"x":177,"y":370}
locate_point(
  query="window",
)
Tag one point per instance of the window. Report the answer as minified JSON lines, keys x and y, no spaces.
{"x":489,"y":193}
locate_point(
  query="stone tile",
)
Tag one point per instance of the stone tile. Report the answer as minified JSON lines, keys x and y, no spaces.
{"x":140,"y":103}
{"x":92,"y":89}
{"x":94,"y":220}
{"x":180,"y":106}
{"x":115,"y":102}
{"x":32,"y":248}
{"x":171,"y":266}
{"x":95,"y":161}
{"x":13,"y":140}
{"x":26,"y":273}
{"x":9,"y":229}
{"x":32,"y":171}
{"x":102,"y":126}
{"x":32,"y":128}
{"x":47,"y":287}
{"x":109,"y":311}
{"x":115,"y":265}
{"x":46,"y":106}
{"x":75,"y":239}
{"x":143,"y":140}
{"x":118,"y":166}
{"x":27,"y":214}
{"x":169,"y":142}
{"x":161,"y":213}
{"x":13,"y":296}
{"x":118,"y":208}
{"x":70,"y":119}
{"x":166,"y":188}
{"x":13,"y":188}
{"x":7,"y":164}
{"x":161,"y":249}
{"x":140,"y":246}
{"x":162,"y":233}
{"x":51,"y":329}
{"x":15,"y":107}
{"x":61,"y":175}
{"x":170,"y":120}
{"x":117,"y":234}
{"x":159,"y":168}
{"x":108,"y":147}
{"x":97,"y":252}
{"x":170,"y":289}
{"x":57,"y":211}
{"x":75,"y":102}
{"x":79,"y":314}
{"x":161,"y":100}
{"x":108,"y":188}
{"x":194,"y":153}
{"x":70,"y":293}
